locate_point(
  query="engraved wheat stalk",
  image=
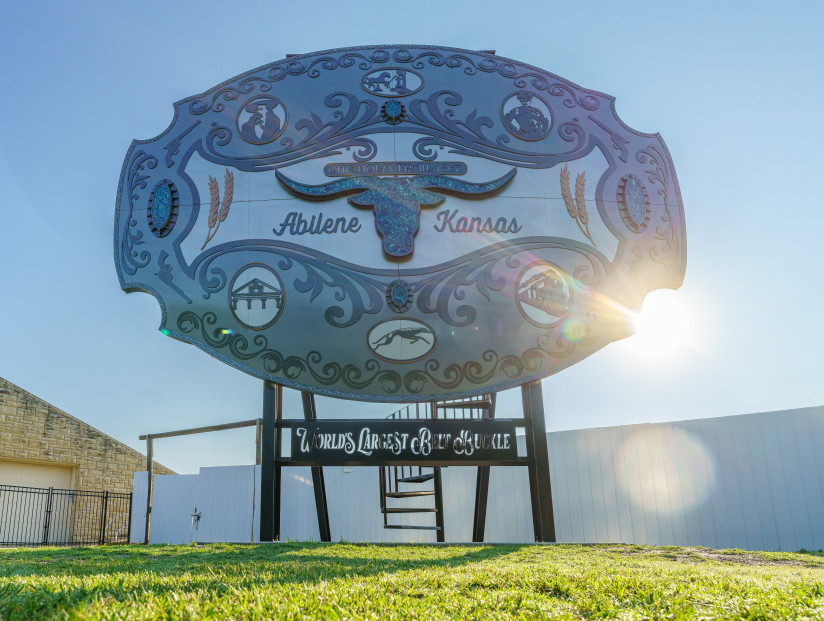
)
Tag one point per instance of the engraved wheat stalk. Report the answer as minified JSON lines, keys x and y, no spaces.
{"x":227,"y":196}
{"x":583,"y":217}
{"x":218,"y":213}
{"x":565,"y":193}
{"x":577,"y":208}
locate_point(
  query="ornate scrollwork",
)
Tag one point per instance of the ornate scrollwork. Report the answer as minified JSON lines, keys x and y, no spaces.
{"x":290,"y":367}
{"x":666,"y":251}
{"x":436,"y":293}
{"x":351,"y":118}
{"x":199,"y":106}
{"x":587,"y":102}
{"x":345,"y":131}
{"x":132,"y":259}
{"x":467,"y":136}
{"x":551,"y":346}
{"x":364,"y":294}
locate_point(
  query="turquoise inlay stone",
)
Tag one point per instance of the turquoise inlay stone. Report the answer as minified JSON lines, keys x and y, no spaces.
{"x":636,"y":203}
{"x":162,"y":205}
{"x":393,"y":108}
{"x":400,"y":296}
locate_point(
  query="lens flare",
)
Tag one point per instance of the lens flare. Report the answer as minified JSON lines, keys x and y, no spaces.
{"x":663,"y":328}
{"x":665,"y":469}
{"x":574,"y":330}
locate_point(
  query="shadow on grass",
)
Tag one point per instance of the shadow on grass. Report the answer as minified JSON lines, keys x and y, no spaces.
{"x":305,"y":561}
{"x":43,"y":583}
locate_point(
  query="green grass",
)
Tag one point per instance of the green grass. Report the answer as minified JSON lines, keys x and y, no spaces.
{"x":343,"y":581}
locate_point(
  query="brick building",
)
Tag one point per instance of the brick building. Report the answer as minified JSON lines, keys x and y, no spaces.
{"x":42,"y":446}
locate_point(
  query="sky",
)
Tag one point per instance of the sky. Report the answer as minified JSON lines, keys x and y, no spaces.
{"x":735,"y":89}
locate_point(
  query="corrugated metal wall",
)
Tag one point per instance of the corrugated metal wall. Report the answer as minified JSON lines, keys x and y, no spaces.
{"x":754,"y":481}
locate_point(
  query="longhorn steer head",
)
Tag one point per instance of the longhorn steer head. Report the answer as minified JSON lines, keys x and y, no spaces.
{"x":396,"y":202}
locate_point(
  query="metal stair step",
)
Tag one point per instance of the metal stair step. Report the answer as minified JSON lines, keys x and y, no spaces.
{"x":421,"y":478}
{"x":407,"y":510}
{"x":466,"y":405}
{"x":405,"y":527}
{"x":407,"y":494}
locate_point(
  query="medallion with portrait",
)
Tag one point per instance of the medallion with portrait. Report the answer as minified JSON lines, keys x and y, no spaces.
{"x":261,"y":119}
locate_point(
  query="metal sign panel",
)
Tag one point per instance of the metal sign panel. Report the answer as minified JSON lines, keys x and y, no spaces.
{"x":404,"y":441}
{"x":399,"y":223}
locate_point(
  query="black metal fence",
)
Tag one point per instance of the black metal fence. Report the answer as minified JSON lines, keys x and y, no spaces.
{"x":40,"y":516}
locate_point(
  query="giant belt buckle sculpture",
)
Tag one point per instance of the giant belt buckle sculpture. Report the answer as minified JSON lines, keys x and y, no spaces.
{"x":399,"y":223}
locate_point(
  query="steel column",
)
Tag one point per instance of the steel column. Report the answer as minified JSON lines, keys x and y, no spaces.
{"x":269,"y":469}
{"x":318,"y":484}
{"x":439,"y":522}
{"x":540,"y":488}
{"x":129,"y":528}
{"x":47,"y":519}
{"x":149,"y":486}
{"x":482,"y":487}
{"x":105,"y":502}
{"x":257,"y":441}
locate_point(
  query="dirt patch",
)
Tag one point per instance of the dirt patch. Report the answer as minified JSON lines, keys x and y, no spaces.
{"x":697,"y":555}
{"x":741,"y":559}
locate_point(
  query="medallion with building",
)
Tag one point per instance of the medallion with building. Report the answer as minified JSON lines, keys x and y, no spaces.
{"x":256,"y":296}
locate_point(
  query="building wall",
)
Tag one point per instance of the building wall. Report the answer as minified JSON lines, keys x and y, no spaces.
{"x":34,"y":431}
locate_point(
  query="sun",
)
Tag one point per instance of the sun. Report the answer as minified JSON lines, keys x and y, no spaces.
{"x":664,"y":326}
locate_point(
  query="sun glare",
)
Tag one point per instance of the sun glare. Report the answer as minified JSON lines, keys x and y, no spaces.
{"x":663,"y":328}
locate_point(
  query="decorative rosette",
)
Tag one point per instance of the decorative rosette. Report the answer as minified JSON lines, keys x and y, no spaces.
{"x":393,"y":112}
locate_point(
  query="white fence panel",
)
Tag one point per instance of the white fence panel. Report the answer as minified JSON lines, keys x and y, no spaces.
{"x":173,"y":503}
{"x":458,"y":485}
{"x":138,"y":525}
{"x":225,"y":500}
{"x":508,"y":509}
{"x":298,"y":518}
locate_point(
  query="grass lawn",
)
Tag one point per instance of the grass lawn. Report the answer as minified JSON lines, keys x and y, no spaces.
{"x":343,"y":581}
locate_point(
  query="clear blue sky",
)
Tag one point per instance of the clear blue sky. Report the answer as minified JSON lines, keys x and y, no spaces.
{"x":736,"y":90}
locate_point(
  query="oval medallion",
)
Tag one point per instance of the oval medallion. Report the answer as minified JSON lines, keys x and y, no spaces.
{"x":401,"y":340}
{"x":399,"y":296}
{"x":392,"y":82}
{"x":162,"y":213}
{"x":633,"y":203}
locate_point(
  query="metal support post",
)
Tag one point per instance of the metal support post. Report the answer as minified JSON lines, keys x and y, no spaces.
{"x":269,"y":470}
{"x":318,"y":484}
{"x":105,"y":501}
{"x":257,"y":441}
{"x":47,"y":520}
{"x":129,"y":530}
{"x":482,"y":488}
{"x":149,"y":472}
{"x":540,"y":488}
{"x":439,"y":522}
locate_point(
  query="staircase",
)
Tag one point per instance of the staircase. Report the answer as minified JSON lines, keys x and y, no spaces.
{"x":400,"y":486}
